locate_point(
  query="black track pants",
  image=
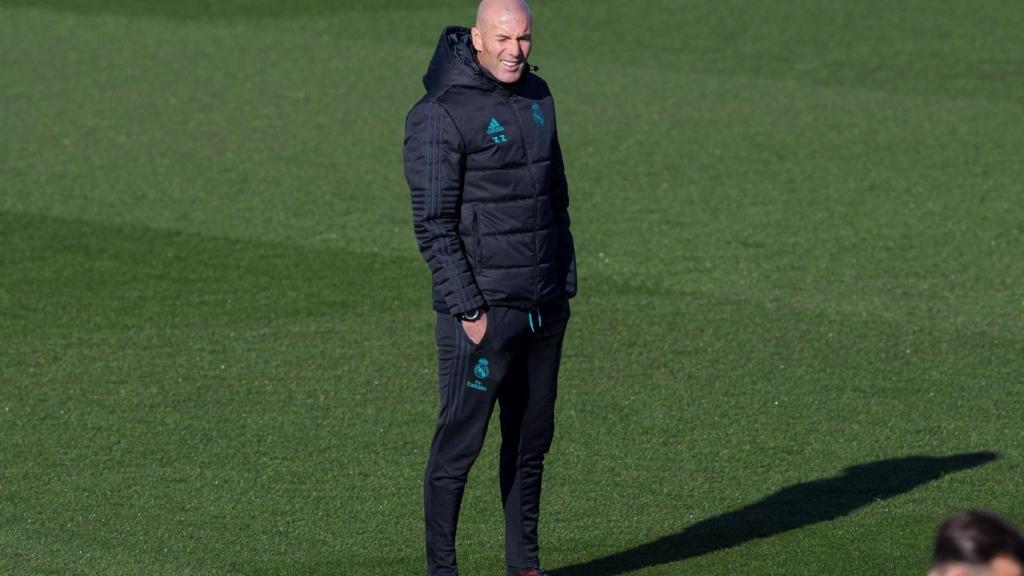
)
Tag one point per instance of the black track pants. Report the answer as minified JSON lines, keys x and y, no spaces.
{"x":515,"y":364}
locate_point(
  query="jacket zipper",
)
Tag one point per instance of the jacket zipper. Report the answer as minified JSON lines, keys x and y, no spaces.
{"x":536,"y":193}
{"x":479,"y":256}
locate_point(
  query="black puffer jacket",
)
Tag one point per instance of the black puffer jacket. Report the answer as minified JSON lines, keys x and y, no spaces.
{"x":489,"y":195}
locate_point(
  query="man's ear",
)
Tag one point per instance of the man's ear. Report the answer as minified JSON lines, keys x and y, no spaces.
{"x":478,"y":40}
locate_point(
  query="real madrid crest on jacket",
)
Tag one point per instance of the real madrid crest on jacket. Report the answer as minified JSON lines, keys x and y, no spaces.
{"x":490,"y":200}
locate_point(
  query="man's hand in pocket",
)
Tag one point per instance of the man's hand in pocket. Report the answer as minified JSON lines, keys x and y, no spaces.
{"x":476,"y":330}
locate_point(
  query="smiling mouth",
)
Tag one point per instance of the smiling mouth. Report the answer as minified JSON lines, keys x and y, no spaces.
{"x":511,"y":66}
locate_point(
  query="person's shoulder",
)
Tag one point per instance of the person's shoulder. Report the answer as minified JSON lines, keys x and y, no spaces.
{"x":534,"y":86}
{"x":457,"y":97}
{"x":429,"y":101}
{"x":447,"y":107}
{"x":448,"y":97}
{"x":536,"y":80}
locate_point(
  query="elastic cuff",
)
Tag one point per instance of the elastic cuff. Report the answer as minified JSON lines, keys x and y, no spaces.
{"x":474,"y":303}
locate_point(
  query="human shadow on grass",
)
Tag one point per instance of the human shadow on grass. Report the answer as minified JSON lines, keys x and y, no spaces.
{"x":788,"y":509}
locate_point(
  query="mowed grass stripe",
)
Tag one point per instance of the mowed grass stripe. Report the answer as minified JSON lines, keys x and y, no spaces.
{"x":172,"y":388}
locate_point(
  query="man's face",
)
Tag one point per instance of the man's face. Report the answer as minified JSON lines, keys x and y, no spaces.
{"x":999,"y":566}
{"x":502,"y":42}
{"x":1004,"y":566}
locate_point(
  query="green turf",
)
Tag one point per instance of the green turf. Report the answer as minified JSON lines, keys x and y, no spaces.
{"x":800,"y":237}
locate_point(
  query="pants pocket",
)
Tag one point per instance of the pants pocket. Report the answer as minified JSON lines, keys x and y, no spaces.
{"x":492,"y":321}
{"x":478,"y":372}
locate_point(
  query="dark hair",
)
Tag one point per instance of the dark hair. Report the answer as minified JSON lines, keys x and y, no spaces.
{"x":977,"y":537}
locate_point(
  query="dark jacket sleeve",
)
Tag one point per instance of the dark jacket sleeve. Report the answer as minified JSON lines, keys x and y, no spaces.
{"x":434,"y":168}
{"x":560,"y":205}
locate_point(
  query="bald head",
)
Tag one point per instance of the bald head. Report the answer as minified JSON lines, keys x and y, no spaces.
{"x":502,"y":38}
{"x":489,"y":10}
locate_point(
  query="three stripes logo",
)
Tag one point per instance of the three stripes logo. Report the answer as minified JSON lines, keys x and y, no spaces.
{"x":496,"y":131}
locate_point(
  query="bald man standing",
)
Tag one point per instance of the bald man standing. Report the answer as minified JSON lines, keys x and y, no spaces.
{"x":490,"y":213}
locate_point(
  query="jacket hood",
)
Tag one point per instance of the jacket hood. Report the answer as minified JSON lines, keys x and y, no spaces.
{"x":454,"y":63}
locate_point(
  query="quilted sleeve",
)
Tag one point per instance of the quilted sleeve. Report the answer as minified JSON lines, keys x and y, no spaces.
{"x":433,"y":155}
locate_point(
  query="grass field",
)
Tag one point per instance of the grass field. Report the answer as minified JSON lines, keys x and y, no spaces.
{"x":799,"y":340}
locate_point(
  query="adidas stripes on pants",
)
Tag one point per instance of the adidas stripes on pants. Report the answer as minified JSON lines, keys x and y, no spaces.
{"x":515,"y":365}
